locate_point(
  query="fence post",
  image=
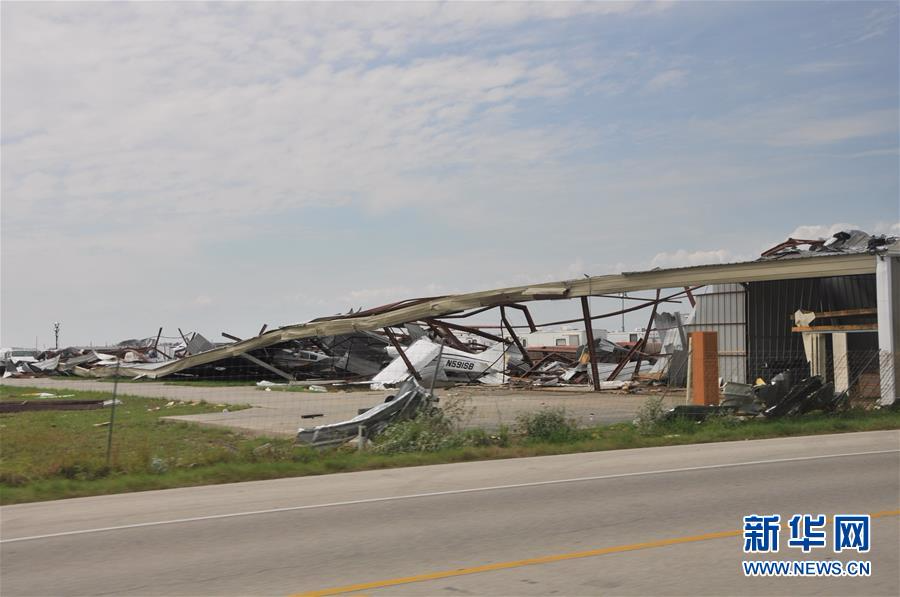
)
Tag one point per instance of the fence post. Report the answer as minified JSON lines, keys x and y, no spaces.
{"x":887,"y":289}
{"x":112,"y":416}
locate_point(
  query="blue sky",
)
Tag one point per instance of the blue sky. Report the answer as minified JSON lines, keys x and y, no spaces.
{"x":220,"y":166}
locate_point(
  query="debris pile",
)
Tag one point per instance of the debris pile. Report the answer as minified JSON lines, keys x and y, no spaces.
{"x":381,"y":360}
{"x":781,"y":397}
{"x":80,"y":360}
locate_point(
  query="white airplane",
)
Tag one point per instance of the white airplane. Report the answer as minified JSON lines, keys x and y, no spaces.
{"x":456,"y":366}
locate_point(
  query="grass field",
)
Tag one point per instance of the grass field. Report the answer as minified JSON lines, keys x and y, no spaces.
{"x":60,"y":454}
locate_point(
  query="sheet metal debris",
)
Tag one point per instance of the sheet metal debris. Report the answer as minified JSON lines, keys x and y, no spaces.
{"x":781,"y":397}
{"x":410,"y":397}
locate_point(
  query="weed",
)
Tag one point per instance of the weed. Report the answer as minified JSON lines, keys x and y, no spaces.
{"x":548,"y":425}
{"x":428,"y":432}
{"x":650,"y":415}
{"x":435,"y":429}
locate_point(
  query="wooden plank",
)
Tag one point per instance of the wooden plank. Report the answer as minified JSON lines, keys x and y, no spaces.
{"x":846,"y":313}
{"x":824,"y":329}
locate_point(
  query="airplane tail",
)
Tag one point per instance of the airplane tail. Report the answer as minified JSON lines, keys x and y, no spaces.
{"x":494,"y":354}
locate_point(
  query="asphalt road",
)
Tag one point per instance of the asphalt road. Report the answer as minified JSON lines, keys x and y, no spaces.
{"x":633,"y":522}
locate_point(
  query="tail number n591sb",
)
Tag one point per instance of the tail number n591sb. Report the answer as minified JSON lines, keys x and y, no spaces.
{"x":464,"y":365}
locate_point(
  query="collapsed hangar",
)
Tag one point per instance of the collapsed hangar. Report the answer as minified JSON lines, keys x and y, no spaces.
{"x":848,"y":287}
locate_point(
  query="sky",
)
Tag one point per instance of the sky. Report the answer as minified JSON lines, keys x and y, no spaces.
{"x":215,"y":167}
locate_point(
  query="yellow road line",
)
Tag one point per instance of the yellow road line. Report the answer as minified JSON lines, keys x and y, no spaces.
{"x":380,"y":584}
{"x":515,"y":564}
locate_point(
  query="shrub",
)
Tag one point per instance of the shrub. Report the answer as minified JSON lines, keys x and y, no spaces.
{"x":548,"y":425}
{"x":434,"y":429}
{"x":428,"y":432}
{"x":650,"y":415}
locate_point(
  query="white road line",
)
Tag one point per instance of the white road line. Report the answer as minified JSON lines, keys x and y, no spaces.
{"x":439,"y":493}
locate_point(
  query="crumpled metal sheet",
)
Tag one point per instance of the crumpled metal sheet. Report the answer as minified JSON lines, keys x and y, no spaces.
{"x":409,"y":399}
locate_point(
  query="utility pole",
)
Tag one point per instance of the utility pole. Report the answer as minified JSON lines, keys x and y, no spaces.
{"x":623,"y":311}
{"x":56,"y":333}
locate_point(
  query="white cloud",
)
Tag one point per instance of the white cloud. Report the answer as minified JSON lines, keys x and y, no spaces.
{"x":327,"y":133}
{"x":376,"y":296}
{"x":683,"y":258}
{"x":819,"y":68}
{"x":667,"y":79}
{"x":820,"y":231}
{"x":822,"y":130}
{"x":800,"y":122}
{"x":189,"y":151}
{"x":887,"y":228}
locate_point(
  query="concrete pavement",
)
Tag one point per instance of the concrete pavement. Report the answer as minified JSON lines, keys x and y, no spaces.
{"x":293,"y":535}
{"x":281,"y":413}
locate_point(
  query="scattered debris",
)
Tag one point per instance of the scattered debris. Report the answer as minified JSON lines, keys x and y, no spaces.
{"x":741,"y":398}
{"x":779,"y":398}
{"x":262,"y":450}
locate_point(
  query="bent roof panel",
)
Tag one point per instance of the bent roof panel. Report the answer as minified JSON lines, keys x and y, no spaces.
{"x":752,"y":271}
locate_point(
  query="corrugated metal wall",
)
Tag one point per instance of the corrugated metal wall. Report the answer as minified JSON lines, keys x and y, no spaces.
{"x":722,"y":309}
{"x":772,"y":347}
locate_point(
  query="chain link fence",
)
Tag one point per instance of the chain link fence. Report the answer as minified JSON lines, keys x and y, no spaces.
{"x":279,"y":408}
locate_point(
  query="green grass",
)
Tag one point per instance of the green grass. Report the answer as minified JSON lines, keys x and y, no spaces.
{"x":52,"y":455}
{"x":41,"y":445}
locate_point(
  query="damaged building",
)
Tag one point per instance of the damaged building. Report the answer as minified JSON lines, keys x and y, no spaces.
{"x":825,"y":308}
